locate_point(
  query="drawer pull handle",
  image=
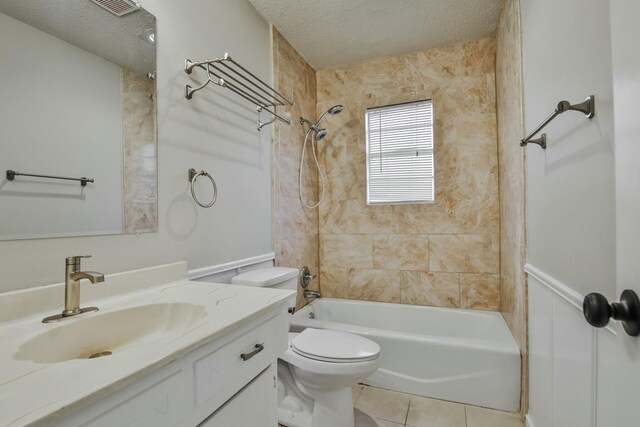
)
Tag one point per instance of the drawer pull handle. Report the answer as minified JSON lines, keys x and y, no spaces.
{"x":247,"y":356}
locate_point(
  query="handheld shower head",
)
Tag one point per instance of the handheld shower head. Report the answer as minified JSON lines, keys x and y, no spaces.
{"x":336,"y":109}
{"x":321,"y":133}
{"x":318,"y":134}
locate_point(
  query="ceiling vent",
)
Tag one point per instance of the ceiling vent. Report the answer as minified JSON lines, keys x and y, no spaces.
{"x":118,"y":7}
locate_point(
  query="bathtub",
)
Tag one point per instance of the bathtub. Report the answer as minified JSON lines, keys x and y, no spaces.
{"x":464,"y":356}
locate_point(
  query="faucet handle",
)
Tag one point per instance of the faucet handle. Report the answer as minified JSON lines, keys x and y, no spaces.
{"x":306,"y":276}
{"x":73,"y":260}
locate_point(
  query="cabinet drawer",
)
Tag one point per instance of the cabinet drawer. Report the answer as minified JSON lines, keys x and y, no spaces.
{"x":221,"y":373}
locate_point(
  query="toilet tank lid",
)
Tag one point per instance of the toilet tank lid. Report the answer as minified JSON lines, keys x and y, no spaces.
{"x":265,"y":276}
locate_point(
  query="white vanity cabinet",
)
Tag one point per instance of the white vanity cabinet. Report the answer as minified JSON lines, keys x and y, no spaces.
{"x":254,"y":406}
{"x":209,"y":386}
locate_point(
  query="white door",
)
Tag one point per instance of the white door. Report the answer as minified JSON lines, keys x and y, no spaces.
{"x":625,"y":34}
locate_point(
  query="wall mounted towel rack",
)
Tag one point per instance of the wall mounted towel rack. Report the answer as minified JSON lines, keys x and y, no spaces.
{"x":227,"y":73}
{"x":11,"y":175}
{"x":193,"y":177}
{"x":588,"y":108}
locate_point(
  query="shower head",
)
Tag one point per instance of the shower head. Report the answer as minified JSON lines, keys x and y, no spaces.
{"x":321,"y":133}
{"x":336,"y":109}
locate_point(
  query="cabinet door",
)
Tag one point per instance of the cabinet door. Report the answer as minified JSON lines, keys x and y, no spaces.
{"x":256,"y":405}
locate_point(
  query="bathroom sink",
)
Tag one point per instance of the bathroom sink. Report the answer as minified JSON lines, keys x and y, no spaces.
{"x":104,"y":333}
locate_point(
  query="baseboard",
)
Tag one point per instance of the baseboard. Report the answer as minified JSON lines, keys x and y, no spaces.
{"x":220,"y":268}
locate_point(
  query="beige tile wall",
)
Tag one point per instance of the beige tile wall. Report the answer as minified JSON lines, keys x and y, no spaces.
{"x":442,"y":254}
{"x":140,"y":177}
{"x":512,"y":184}
{"x":295,"y":227}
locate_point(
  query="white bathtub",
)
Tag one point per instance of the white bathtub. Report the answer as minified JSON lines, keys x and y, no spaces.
{"x":465,"y":356}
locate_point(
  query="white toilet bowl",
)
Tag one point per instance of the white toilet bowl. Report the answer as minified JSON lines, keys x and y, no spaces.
{"x":315,"y":377}
{"x":316,"y":373}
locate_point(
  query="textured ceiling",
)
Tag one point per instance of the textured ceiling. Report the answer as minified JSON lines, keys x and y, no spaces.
{"x":89,"y":27}
{"x":337,"y":32}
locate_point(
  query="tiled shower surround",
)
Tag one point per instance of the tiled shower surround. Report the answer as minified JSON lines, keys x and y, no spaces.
{"x":140,"y":153}
{"x":512,"y":184}
{"x":465,"y":250}
{"x":295,"y":227}
{"x":442,"y":254}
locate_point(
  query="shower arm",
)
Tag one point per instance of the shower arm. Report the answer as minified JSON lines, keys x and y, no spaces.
{"x":311,"y":125}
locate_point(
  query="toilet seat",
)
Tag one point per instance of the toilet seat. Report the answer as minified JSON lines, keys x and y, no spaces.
{"x":334,"y":346}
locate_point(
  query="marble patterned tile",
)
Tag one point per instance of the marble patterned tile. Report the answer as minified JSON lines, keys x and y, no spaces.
{"x":480,"y":291}
{"x":330,"y":84}
{"x":334,"y":282}
{"x":425,"y":412}
{"x":346,"y":250}
{"x":141,"y":217}
{"x":365,"y":218}
{"x":433,"y":289}
{"x":296,"y":229}
{"x":140,"y":182}
{"x":511,"y":161}
{"x":334,"y":217}
{"x":482,"y":417}
{"x":401,"y":251}
{"x":461,"y":253}
{"x":374,"y":285}
{"x":384,"y":404}
{"x":480,"y":57}
{"x":461,"y":80}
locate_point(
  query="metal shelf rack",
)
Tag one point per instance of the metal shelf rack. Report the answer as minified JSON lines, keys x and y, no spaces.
{"x":227,"y":73}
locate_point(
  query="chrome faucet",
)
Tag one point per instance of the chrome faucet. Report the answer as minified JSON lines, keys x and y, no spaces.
{"x":312,"y":294}
{"x":306,"y":276}
{"x":72,"y":278}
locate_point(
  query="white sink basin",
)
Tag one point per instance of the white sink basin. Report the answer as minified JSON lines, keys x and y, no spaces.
{"x":96,"y":334}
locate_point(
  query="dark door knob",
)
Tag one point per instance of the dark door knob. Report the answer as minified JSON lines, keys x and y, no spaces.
{"x":597,"y":311}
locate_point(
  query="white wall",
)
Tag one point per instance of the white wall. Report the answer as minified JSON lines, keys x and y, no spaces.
{"x":570,"y":211}
{"x":215,"y":131}
{"x":51,"y":124}
{"x":570,"y":185}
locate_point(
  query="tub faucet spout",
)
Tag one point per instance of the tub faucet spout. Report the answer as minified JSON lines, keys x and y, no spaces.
{"x":312,"y":294}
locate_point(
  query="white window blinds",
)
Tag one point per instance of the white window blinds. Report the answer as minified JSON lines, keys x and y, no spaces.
{"x":400,"y":167}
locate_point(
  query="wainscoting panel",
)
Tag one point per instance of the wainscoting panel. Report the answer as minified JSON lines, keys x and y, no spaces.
{"x":540,"y":354}
{"x":570,"y":362}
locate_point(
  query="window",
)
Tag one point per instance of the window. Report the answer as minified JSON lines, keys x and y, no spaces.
{"x":400,"y":167}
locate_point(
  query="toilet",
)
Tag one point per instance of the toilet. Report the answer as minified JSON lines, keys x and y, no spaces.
{"x":317,"y":371}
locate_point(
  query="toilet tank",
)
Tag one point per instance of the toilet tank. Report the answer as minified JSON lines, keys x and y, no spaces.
{"x":274,"y":277}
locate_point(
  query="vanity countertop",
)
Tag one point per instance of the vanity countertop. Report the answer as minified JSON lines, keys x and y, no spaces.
{"x":41,"y":392}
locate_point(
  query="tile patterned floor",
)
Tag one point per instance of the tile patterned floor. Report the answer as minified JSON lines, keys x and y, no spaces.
{"x":392,"y":409}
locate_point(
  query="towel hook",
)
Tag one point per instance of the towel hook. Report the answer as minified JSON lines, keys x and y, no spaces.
{"x":193,"y":176}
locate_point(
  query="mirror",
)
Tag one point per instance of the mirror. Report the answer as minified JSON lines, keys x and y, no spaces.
{"x":78,"y":101}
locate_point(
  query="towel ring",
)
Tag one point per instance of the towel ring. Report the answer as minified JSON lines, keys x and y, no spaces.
{"x":193,"y":176}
